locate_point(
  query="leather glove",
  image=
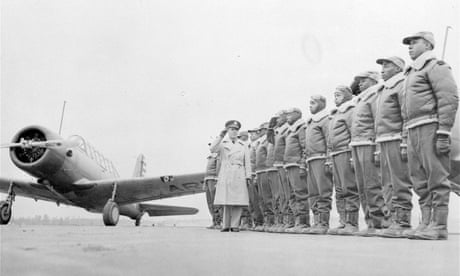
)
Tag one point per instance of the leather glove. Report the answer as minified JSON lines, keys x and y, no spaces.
{"x":248,"y":181}
{"x":377,"y":158}
{"x":222,"y":133}
{"x":328,"y":168}
{"x":403,"y":150}
{"x":442,"y":144}
{"x":273,"y":122}
{"x":271,"y":136}
{"x":352,"y":165}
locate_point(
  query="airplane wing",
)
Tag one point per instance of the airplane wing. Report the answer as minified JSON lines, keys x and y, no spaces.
{"x":32,"y":190}
{"x":138,"y":189}
{"x":165,"y":210}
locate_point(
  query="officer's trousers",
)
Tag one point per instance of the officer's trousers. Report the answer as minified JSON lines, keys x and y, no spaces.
{"x":276,"y":190}
{"x":254,"y":205}
{"x":428,"y":171}
{"x":319,"y":187}
{"x":345,"y":182}
{"x":300,"y":190}
{"x":369,"y":183}
{"x":393,"y":165}
{"x":232,"y":215}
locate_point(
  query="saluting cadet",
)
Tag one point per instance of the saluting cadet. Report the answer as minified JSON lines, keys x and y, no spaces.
{"x":246,"y":221}
{"x":254,"y":205}
{"x":210,"y":180}
{"x":319,"y":183}
{"x":429,"y":108}
{"x":287,"y":198}
{"x":389,"y":133}
{"x":346,"y":190}
{"x":294,"y":161}
{"x":363,"y":147}
{"x":263,"y":186}
{"x":272,"y":175}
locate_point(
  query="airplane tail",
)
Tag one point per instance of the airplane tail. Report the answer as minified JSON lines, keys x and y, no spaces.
{"x":141,"y":166}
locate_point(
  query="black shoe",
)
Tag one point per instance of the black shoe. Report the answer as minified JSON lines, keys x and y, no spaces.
{"x":225,"y":230}
{"x":235,"y":229}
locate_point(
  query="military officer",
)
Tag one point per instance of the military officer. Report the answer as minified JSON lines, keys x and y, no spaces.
{"x":210,"y":180}
{"x":429,"y":107}
{"x":254,"y":205}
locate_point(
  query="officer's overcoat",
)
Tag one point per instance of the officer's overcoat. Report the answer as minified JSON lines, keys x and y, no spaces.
{"x":235,"y":169}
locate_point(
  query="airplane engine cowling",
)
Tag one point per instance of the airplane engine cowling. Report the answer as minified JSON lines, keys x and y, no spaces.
{"x":37,"y":161}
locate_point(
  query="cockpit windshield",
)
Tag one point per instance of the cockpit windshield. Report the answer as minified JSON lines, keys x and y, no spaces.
{"x":92,"y":153}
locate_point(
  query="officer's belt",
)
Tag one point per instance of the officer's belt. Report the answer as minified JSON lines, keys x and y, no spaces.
{"x":316,"y":156}
{"x":334,"y":153}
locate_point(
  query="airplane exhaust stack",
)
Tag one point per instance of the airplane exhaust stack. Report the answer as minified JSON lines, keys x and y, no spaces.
{"x":38,"y":161}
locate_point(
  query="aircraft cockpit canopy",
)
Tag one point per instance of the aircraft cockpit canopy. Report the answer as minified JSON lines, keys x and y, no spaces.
{"x":92,"y":153}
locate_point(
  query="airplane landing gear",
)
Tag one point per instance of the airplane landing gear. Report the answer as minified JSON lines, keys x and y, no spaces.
{"x":6,"y":206}
{"x":137,"y":222}
{"x":111,"y":212}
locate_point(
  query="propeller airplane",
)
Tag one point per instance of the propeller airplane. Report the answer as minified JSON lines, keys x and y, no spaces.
{"x":72,"y":172}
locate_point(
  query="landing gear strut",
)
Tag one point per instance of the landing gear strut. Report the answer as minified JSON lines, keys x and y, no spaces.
{"x":111,"y":212}
{"x":6,"y":206}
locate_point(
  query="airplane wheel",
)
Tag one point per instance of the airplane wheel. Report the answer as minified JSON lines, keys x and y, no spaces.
{"x":137,"y":222}
{"x":5,"y":215}
{"x":111,"y":213}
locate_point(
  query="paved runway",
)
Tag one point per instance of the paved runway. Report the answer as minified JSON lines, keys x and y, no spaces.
{"x":127,"y":250}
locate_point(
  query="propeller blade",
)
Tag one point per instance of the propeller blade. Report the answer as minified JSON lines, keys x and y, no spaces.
{"x":41,"y":144}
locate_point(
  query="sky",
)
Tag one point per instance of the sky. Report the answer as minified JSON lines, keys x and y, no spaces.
{"x":162,"y":77}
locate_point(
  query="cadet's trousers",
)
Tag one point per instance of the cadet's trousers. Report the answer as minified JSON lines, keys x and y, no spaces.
{"x":232,"y":215}
{"x":276,"y":190}
{"x":428,"y":171}
{"x":393,"y":165}
{"x":265,"y":194}
{"x":215,"y":211}
{"x":345,"y":182}
{"x":369,"y":185}
{"x":254,"y":206}
{"x":319,"y":187}
{"x":300,"y":190}
{"x":287,"y":198}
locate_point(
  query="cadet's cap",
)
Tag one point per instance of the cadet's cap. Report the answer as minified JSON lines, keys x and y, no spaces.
{"x":374,"y":75}
{"x":319,"y":99}
{"x":428,"y":36}
{"x":343,"y":89}
{"x":264,"y":125}
{"x":293,"y":109}
{"x":281,"y":112}
{"x":233,"y":123}
{"x":395,"y":60}
{"x":253,"y":130}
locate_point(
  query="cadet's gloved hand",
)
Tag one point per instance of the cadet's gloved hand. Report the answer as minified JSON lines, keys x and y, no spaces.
{"x":403,"y":148}
{"x":377,"y":158}
{"x":442,"y":144}
{"x":328,"y":167}
{"x":222,"y":133}
{"x":271,"y":136}
{"x":248,"y":181}
{"x":352,"y":164}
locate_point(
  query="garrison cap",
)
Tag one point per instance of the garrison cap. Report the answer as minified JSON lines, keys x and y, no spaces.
{"x":373,"y":75}
{"x":233,"y":123}
{"x":342,"y":89}
{"x":395,"y":60}
{"x":279,"y":113}
{"x":293,"y":109}
{"x":243,"y":133}
{"x":428,"y":36}
{"x":253,"y":130}
{"x":319,"y":99}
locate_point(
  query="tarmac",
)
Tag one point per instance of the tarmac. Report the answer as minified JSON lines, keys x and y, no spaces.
{"x":146,"y":250}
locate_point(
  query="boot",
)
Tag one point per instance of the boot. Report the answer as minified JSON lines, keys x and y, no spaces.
{"x":352,"y":224}
{"x":278,"y":228}
{"x":260,"y":226}
{"x":426,"y":218}
{"x":400,"y":224}
{"x":269,"y":222}
{"x":342,"y":222}
{"x":315,"y":224}
{"x":371,"y":230}
{"x":437,"y":230}
{"x":244,"y":226}
{"x":322,"y":226}
{"x":289,"y":223}
{"x":300,"y":224}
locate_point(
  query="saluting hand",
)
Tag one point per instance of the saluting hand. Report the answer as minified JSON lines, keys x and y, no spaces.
{"x":403,"y":148}
{"x":222,"y":133}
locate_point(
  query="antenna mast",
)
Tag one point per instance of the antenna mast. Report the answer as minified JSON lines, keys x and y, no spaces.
{"x":62,"y":117}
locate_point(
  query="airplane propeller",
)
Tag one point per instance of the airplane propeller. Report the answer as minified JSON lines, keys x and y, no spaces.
{"x":28,"y":144}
